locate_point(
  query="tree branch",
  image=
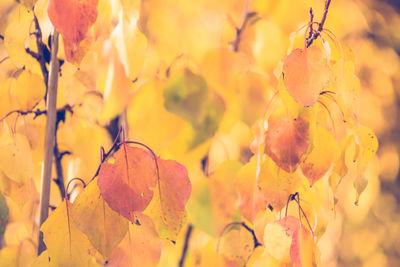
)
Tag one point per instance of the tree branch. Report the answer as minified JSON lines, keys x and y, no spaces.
{"x":49,"y":136}
{"x":186,"y":245}
{"x":40,"y":55}
{"x":246,"y":16}
{"x":315,"y":33}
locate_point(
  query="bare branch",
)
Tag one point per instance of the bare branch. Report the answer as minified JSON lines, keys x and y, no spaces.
{"x":186,"y":245}
{"x":49,"y":136}
{"x":315,"y":33}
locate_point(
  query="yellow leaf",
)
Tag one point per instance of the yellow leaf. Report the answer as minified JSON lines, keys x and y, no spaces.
{"x":277,"y":243}
{"x":16,"y":159}
{"x":323,"y":154}
{"x":104,"y":227}
{"x":66,"y":245}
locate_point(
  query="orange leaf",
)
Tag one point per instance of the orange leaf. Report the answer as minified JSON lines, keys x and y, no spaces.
{"x":286,"y":141}
{"x":303,"y":248}
{"x":72,"y":18}
{"x":125,"y":185}
{"x":306,"y":73}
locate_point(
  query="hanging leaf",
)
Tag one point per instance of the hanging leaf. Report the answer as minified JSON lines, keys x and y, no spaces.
{"x":167,"y":208}
{"x":322,"y":156}
{"x":125,"y":184}
{"x":287,"y":140}
{"x":72,"y":18}
{"x":306,"y":74}
{"x":66,"y":245}
{"x":140,"y":247}
{"x":16,"y":158}
{"x":277,"y":184}
{"x":103,"y":226}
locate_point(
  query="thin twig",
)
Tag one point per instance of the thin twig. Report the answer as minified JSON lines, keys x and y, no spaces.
{"x":37,"y":112}
{"x":315,"y":33}
{"x":49,"y":136}
{"x":185,"y":245}
{"x":41,"y":47}
{"x":245,"y":20}
{"x":59,"y":169}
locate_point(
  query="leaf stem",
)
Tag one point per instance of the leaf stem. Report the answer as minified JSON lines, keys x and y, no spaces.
{"x":51,"y":104}
{"x":186,"y":245}
{"x":315,"y":33}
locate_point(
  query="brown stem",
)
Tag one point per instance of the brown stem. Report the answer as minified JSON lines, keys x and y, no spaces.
{"x":239,"y":31}
{"x":59,"y":169}
{"x":315,"y":33}
{"x":49,"y":137}
{"x":41,"y":47}
{"x":186,"y":245}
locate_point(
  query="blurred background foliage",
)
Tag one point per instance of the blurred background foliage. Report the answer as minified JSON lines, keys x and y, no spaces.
{"x":363,"y":235}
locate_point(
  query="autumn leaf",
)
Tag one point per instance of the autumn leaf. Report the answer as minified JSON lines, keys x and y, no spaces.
{"x":287,"y":140}
{"x":66,"y":245}
{"x":288,"y":241}
{"x":140,"y":247}
{"x":104,"y":227}
{"x":306,"y":74}
{"x":251,"y":198}
{"x":125,"y":184}
{"x":16,"y":158}
{"x":72,"y":18}
{"x":236,"y":244}
{"x":167,"y":208}
{"x":276,"y":184}
{"x":322,"y":156}
{"x":188,"y":96}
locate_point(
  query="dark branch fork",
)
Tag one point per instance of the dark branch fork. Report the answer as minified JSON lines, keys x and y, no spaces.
{"x":313,"y":34}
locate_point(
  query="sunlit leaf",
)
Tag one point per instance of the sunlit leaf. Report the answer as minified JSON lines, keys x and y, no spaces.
{"x":306,"y":74}
{"x":73,"y":18}
{"x":277,"y":184}
{"x":140,"y":247}
{"x":323,"y":154}
{"x":66,"y":245}
{"x":91,"y":214}
{"x":16,"y":159}
{"x":170,"y":197}
{"x":236,"y":244}
{"x":251,"y":199}
{"x":287,"y":140}
{"x":125,"y":184}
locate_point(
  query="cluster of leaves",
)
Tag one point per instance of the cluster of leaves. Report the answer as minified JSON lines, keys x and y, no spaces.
{"x":256,"y":129}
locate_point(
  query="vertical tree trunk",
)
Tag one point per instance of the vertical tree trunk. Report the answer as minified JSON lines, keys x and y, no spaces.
{"x":49,"y":136}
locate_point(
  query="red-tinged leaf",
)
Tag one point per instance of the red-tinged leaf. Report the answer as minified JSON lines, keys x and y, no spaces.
{"x":75,"y":53}
{"x":72,"y":18}
{"x":286,"y":141}
{"x":167,"y":210}
{"x":303,"y":248}
{"x":104,"y":227}
{"x":140,"y":247}
{"x":306,"y":74}
{"x":125,"y":184}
